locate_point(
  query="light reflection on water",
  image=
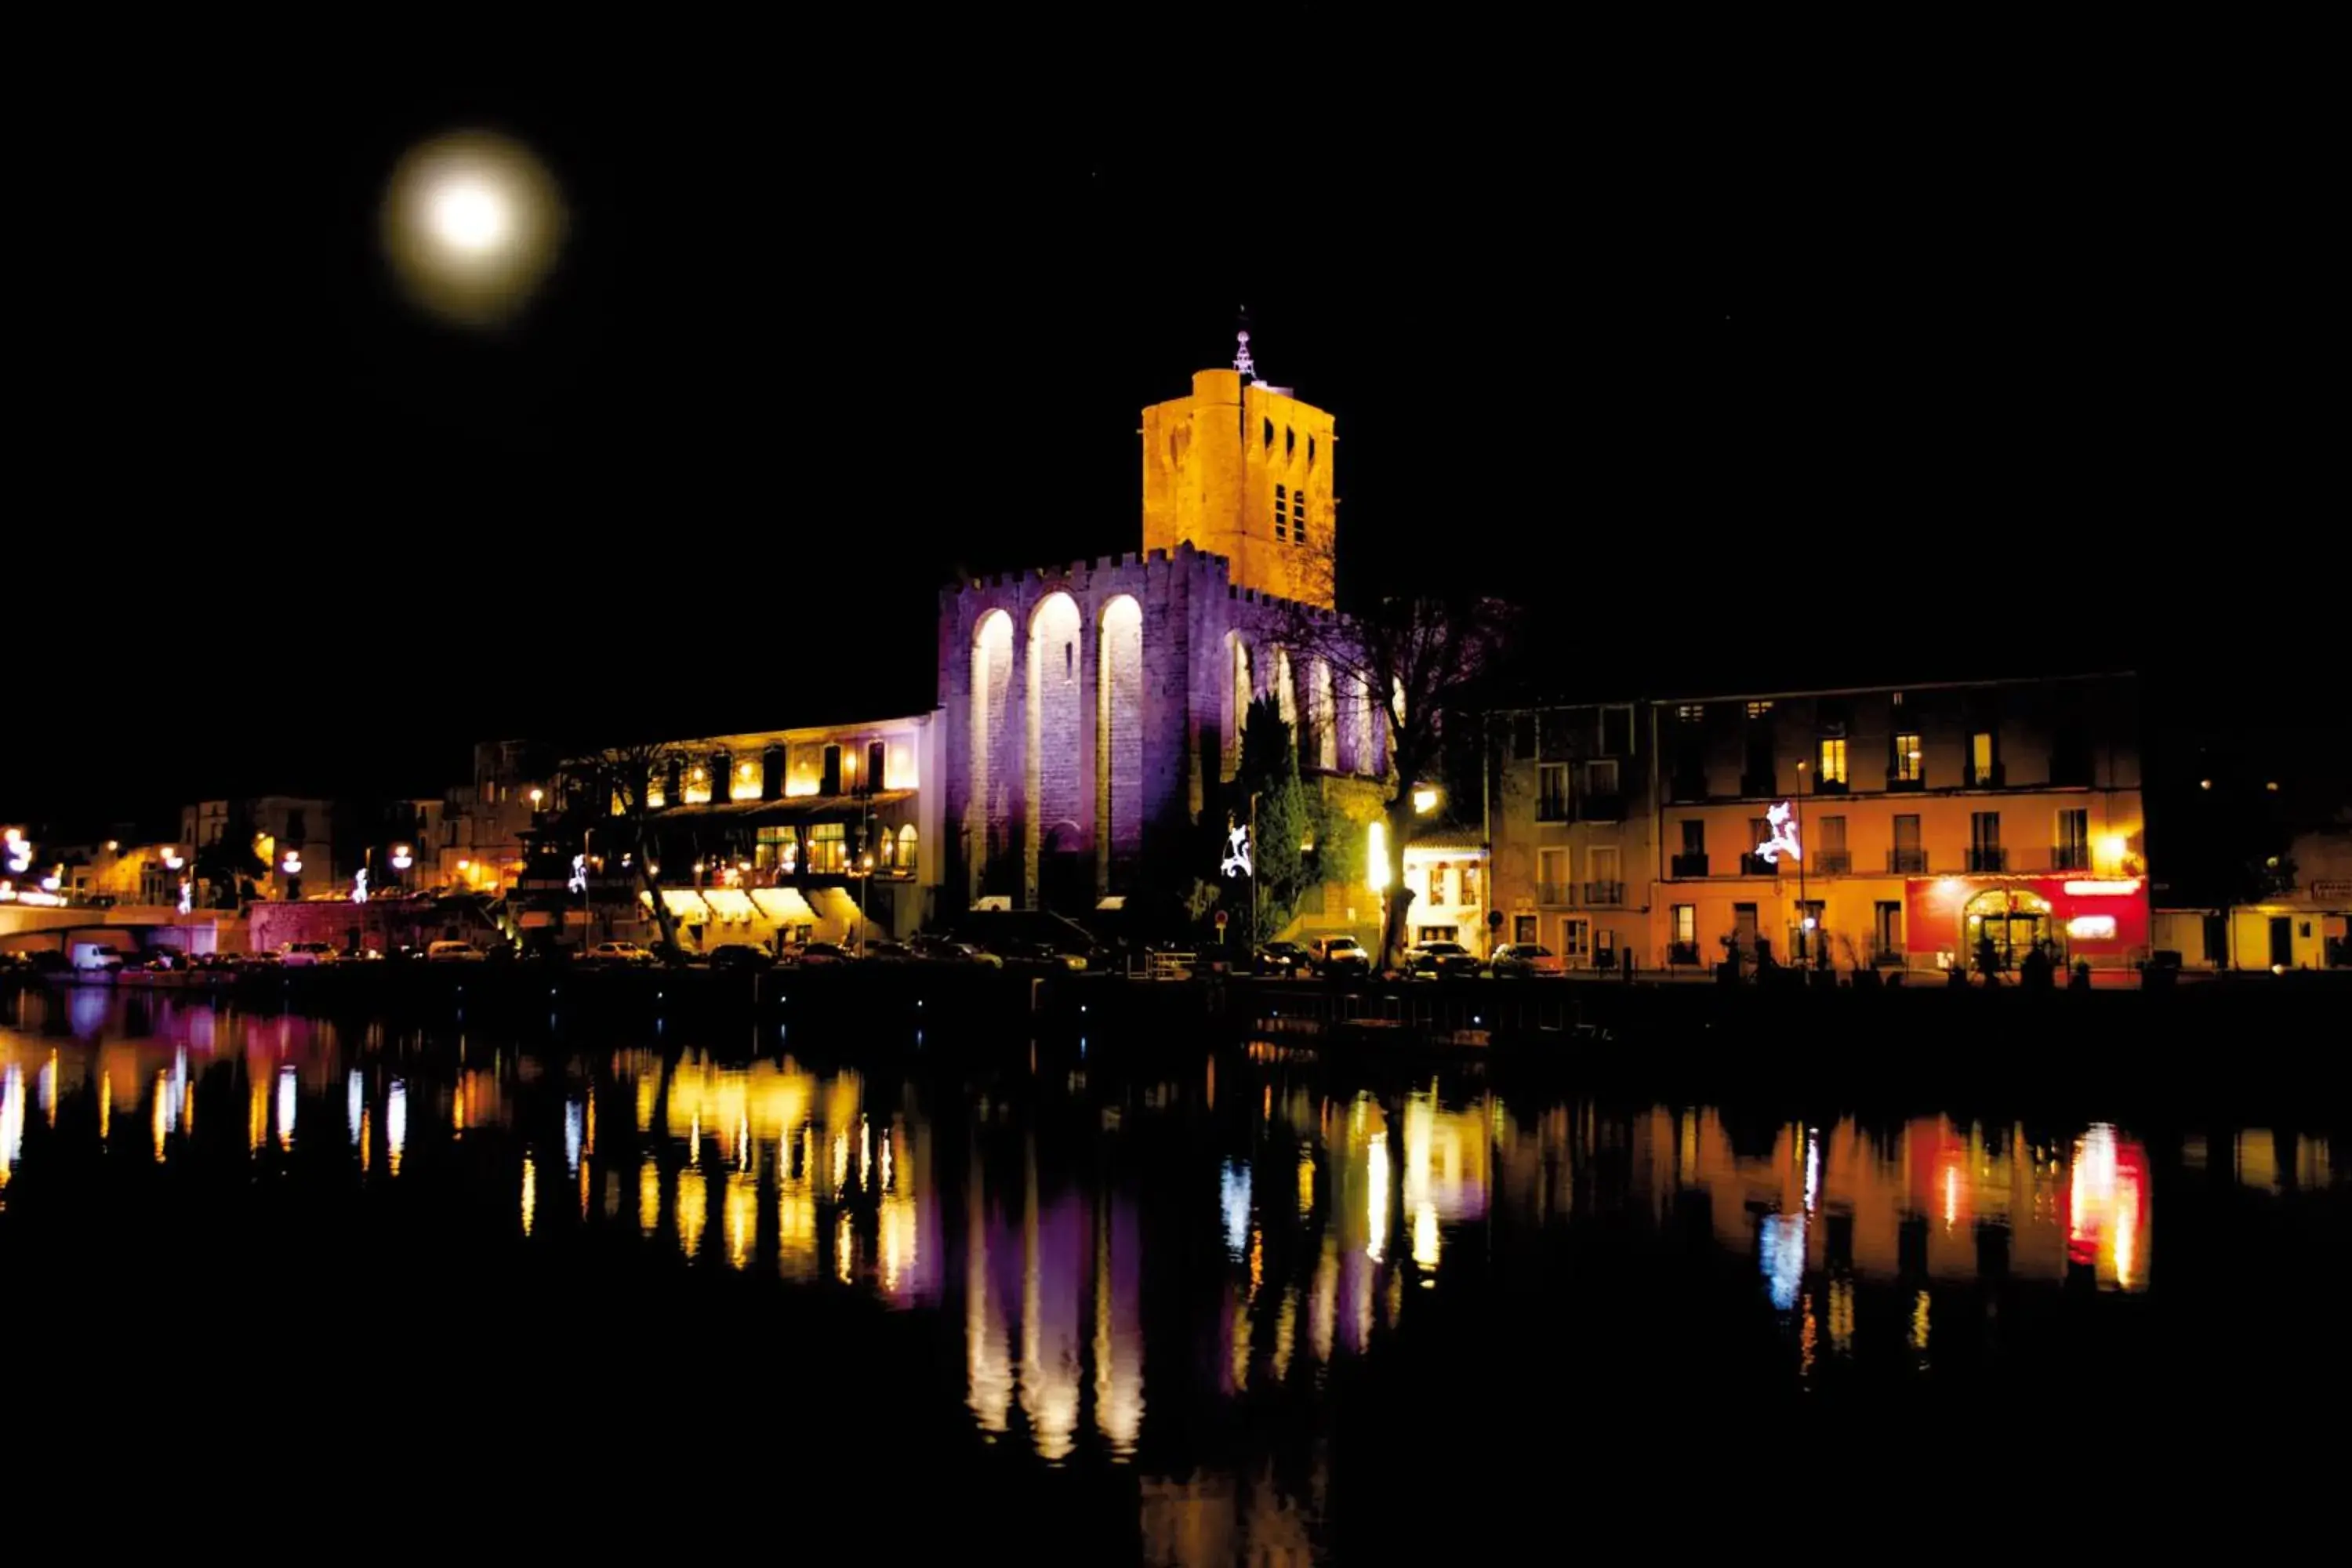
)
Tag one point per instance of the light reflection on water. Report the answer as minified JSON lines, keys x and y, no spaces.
{"x":1299,"y":1225}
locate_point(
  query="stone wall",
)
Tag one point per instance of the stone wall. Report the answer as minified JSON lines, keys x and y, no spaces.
{"x":1093,"y":710}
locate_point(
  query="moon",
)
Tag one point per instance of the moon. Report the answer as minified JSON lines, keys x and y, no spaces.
{"x":472,"y":223}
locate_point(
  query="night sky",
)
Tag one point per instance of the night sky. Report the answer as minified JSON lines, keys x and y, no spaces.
{"x":1734,"y":400}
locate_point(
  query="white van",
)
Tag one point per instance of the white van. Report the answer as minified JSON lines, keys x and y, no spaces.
{"x":98,"y":956}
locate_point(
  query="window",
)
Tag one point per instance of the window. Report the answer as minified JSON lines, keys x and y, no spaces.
{"x":1693,"y":835}
{"x":1980,"y":752}
{"x":1606,"y":885}
{"x":1290,"y":441}
{"x":1523,"y":930}
{"x":1689,"y":712}
{"x":1551,"y":876}
{"x":907,"y":846}
{"x":1617,"y":732}
{"x":1907,"y":760}
{"x":1069,"y":664}
{"x":2072,"y":847}
{"x":1907,"y":859}
{"x":1828,"y":848}
{"x":828,"y":848}
{"x":1832,"y":760}
{"x":1575,"y":938}
{"x":1551,"y":792}
{"x":831,"y":781}
{"x":1685,"y":924}
{"x":877,"y":764}
{"x":1269,"y":432}
{"x":1601,"y":780}
{"x":1984,"y":841}
{"x":1299,"y":517}
{"x":1282,"y":511}
{"x":1759,"y":709}
{"x":1523,"y":737}
{"x":697,"y":784}
{"x":1886,"y":927}
{"x":1470,"y":897}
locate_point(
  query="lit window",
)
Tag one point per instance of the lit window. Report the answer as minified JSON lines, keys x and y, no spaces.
{"x":1299,"y":516}
{"x":1686,"y":923}
{"x":1907,"y":759}
{"x":828,"y":848}
{"x":697,"y":784}
{"x":655,"y":797}
{"x":1981,"y":754}
{"x":1833,"y":760}
{"x":1757,"y":710}
{"x":1690,"y":712}
{"x":1281,"y":511}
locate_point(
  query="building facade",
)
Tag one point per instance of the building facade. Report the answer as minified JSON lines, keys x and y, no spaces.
{"x":1571,"y":820}
{"x":1916,"y":826}
{"x":822,"y":834}
{"x":1869,"y":826}
{"x":1092,"y":713}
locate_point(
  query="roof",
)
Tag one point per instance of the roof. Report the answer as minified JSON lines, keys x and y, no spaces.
{"x":1448,"y":835}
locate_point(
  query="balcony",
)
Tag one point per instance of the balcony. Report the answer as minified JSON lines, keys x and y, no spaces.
{"x":1604,"y":893}
{"x":1687,"y":865}
{"x":1609,"y":807}
{"x":2071,"y":858}
{"x":1916,"y":781}
{"x":1986,"y":857}
{"x":1907,"y":862}
{"x":1994,"y":778}
{"x":1757,"y":865}
{"x":1554,"y":894}
{"x":1828,"y":787}
{"x":1834,"y":862}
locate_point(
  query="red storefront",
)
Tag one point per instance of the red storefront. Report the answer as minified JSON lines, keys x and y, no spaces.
{"x":2099,"y":919}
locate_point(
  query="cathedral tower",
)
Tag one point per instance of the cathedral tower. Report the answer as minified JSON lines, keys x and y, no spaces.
{"x":1243,"y":469}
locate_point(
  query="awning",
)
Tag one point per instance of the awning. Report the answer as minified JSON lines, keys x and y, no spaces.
{"x":784,"y":906}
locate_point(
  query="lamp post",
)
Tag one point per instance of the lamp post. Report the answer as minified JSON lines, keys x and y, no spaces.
{"x":1804,"y":910}
{"x":587,"y":912}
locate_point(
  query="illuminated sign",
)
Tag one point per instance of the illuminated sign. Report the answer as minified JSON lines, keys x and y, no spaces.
{"x":2092,"y":928}
{"x":2095,"y":889}
{"x":1237,"y":853}
{"x":1782,"y":822}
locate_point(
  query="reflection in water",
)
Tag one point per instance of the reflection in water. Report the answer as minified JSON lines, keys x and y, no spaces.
{"x":1297,"y":1233}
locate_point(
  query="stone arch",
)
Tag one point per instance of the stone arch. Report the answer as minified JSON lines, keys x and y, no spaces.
{"x":1326,"y":748}
{"x":1119,"y":735}
{"x":1056,"y":724}
{"x":907,"y":847}
{"x":994,"y":773}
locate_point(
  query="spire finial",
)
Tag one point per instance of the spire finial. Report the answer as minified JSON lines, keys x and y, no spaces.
{"x":1242,"y":361}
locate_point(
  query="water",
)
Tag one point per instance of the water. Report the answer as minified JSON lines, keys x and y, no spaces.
{"x":1214,"y":1305}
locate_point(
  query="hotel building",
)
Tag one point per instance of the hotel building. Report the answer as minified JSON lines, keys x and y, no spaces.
{"x":1862,"y":827}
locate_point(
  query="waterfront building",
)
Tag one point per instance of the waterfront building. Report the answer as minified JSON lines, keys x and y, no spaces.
{"x":1571,"y":822}
{"x":1092,"y":712}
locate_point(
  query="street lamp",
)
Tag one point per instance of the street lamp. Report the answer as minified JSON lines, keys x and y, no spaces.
{"x":1804,"y":910}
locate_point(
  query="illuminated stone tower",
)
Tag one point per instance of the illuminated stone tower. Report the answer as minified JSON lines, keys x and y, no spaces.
{"x":1243,"y":469}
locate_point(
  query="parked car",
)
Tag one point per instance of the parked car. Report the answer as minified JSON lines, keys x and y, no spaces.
{"x":623,"y":954}
{"x":452,"y":952}
{"x":1041,"y":955}
{"x":1337,"y":956}
{"x":889,"y":953}
{"x":305,"y":954}
{"x":1520,"y":960}
{"x":817,"y":954}
{"x":741,"y":958}
{"x":947,"y":950}
{"x":1282,"y":958}
{"x":1439,"y":960}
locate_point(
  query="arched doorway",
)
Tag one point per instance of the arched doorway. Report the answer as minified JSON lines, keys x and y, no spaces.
{"x":2012,"y":918}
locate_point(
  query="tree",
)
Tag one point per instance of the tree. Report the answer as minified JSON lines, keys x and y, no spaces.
{"x":1419,"y":655}
{"x":1286,"y":817}
{"x":621,"y":780}
{"x":230,"y":864}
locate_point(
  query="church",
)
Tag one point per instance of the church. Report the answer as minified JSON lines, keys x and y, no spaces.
{"x":1091,"y":712}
